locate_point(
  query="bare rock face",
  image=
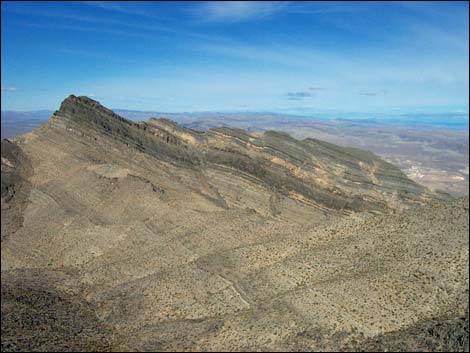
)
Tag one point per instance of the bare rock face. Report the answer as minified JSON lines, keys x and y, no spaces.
{"x":166,"y":238}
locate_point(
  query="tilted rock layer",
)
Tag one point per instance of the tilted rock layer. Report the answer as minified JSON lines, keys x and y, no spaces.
{"x":169,"y":238}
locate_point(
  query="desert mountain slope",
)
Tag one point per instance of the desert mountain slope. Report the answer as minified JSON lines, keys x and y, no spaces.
{"x":167,"y":238}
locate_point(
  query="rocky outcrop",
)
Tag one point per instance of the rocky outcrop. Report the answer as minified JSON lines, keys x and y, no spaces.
{"x":16,"y":168}
{"x":15,"y":187}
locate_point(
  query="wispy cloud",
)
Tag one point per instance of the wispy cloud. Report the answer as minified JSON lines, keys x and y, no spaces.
{"x":299,"y":94}
{"x":94,"y":54}
{"x":83,"y":28}
{"x":237,"y":11}
{"x":9,"y":89}
{"x":372,"y":69}
{"x":285,"y":55}
{"x":242,"y":11}
{"x":106,"y":25}
{"x":373,"y":94}
{"x":327,"y":7}
{"x":117,"y":7}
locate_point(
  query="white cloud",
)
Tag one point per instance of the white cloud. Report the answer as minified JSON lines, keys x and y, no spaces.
{"x":8,"y":89}
{"x":237,"y":11}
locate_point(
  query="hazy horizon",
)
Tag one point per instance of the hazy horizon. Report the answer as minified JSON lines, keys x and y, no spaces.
{"x":449,"y":120}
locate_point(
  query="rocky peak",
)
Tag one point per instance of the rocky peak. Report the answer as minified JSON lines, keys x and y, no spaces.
{"x":85,"y":109}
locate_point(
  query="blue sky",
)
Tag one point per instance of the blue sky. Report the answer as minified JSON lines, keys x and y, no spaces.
{"x":301,"y":58}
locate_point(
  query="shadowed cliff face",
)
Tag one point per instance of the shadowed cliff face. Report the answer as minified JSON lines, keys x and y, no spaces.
{"x":149,"y":236}
{"x":331,"y":177}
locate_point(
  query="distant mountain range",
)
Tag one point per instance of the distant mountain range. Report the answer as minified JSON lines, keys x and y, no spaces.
{"x":17,"y":122}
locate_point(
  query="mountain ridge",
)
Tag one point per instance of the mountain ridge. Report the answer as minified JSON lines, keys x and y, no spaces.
{"x":161,"y":238}
{"x":234,"y":148}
